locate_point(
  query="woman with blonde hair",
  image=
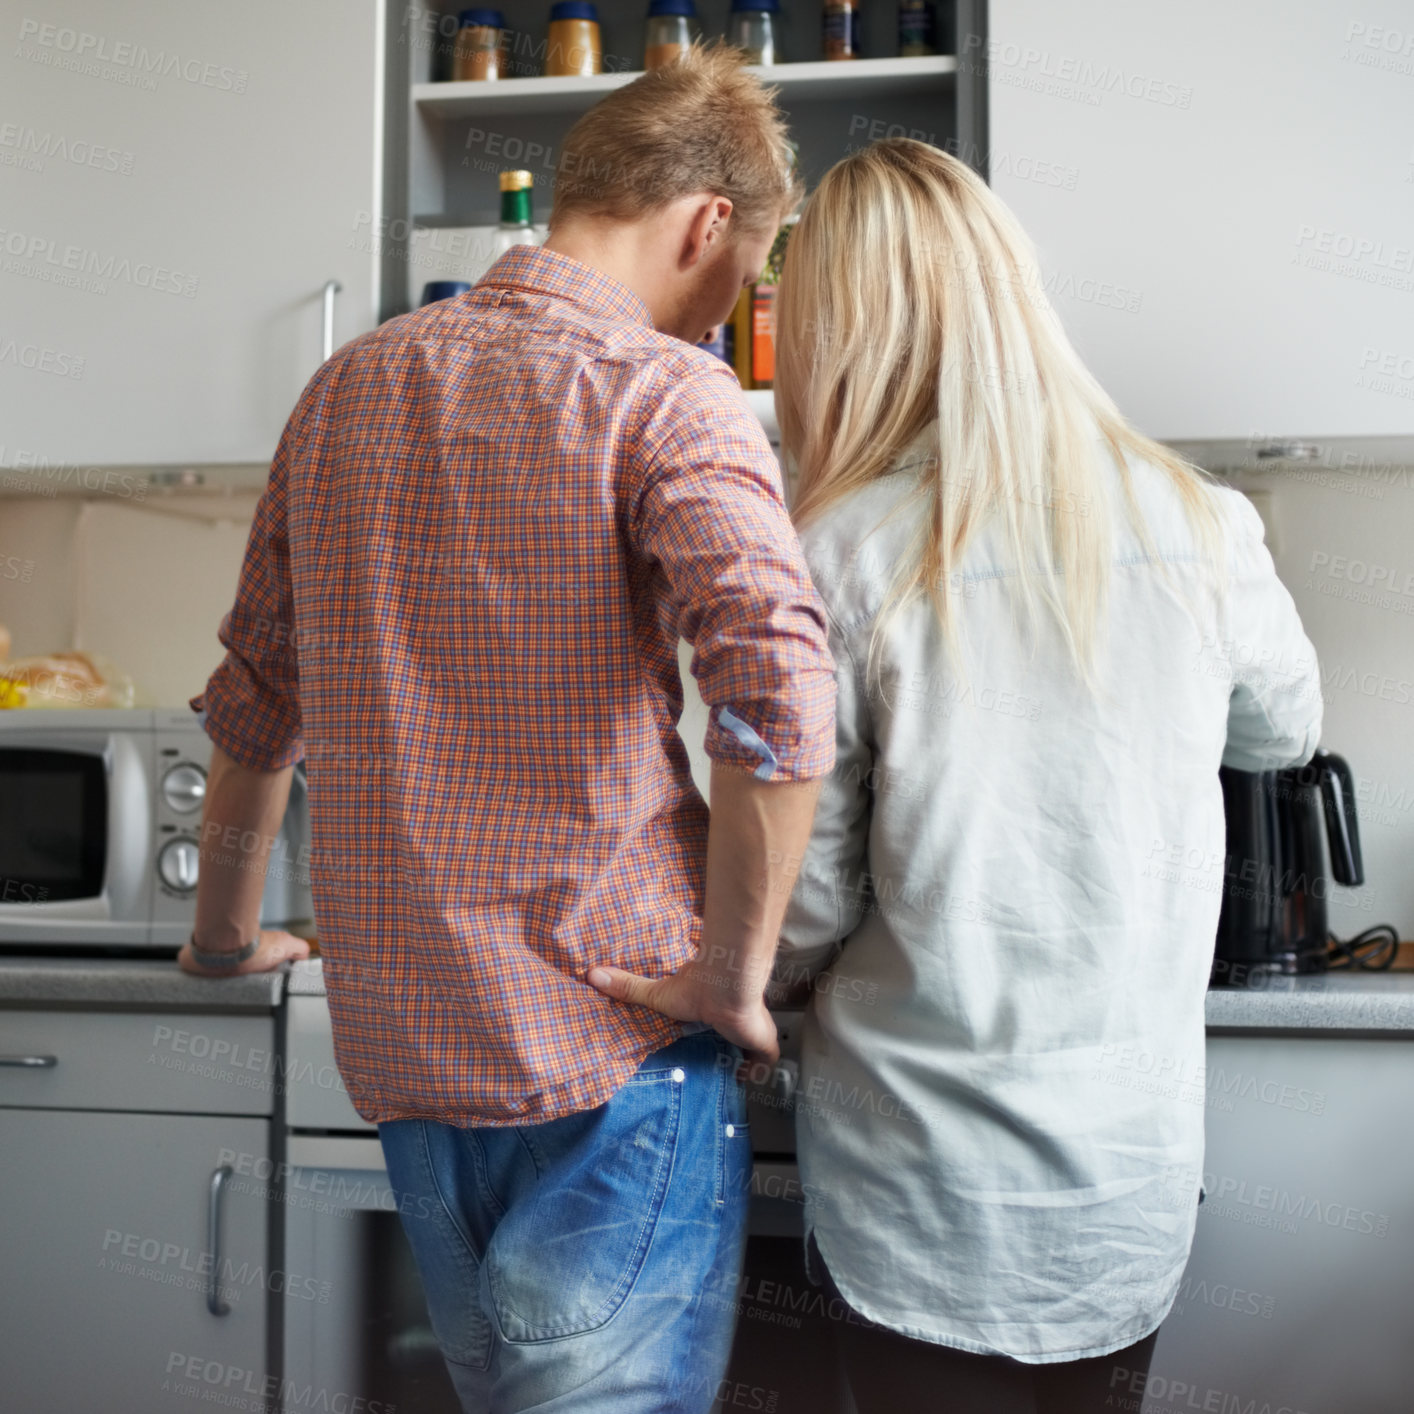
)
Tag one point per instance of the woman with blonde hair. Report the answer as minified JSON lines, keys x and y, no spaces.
{"x":1038,"y":618}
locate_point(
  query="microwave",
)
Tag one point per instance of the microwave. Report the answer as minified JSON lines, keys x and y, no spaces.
{"x":100,"y":824}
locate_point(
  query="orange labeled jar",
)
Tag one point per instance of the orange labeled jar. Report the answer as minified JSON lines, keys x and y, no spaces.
{"x":672,"y":27}
{"x":574,"y":47}
{"x":479,"y":51}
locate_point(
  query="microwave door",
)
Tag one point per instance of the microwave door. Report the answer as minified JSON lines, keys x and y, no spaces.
{"x":75,"y":837}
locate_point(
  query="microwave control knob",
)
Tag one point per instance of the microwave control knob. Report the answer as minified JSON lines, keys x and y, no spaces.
{"x":177,"y":864}
{"x":184,"y":788}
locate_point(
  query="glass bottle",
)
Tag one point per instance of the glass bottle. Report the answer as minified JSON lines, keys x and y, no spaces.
{"x":752,"y":29}
{"x":841,"y":29}
{"x":574,"y":47}
{"x":671,"y":28}
{"x":515,"y":227}
{"x":479,"y":51}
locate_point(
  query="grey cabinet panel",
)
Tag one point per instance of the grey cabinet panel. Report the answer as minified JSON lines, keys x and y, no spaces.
{"x":184,"y":180}
{"x":210,"y":1064}
{"x":103,"y":1225}
{"x":316,"y":1097}
{"x":1299,"y":1288}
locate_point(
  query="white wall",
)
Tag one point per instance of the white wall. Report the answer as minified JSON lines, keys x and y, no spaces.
{"x":153,"y":585}
{"x":144,"y":585}
{"x":37,"y":597}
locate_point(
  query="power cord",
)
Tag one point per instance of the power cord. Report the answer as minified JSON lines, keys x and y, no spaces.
{"x":1374,"y":950}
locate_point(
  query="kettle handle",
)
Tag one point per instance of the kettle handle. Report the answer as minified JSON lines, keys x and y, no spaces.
{"x":1342,"y":826}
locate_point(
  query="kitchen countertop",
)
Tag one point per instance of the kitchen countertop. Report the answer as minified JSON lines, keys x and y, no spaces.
{"x":1330,"y":1001}
{"x":1324,"y":1001}
{"x":306,"y":978}
{"x":134,"y":983}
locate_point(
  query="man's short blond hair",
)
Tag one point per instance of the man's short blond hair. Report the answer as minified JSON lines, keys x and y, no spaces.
{"x":701,"y":123}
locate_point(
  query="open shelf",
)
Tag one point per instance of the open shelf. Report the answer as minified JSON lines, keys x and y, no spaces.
{"x":851,"y":80}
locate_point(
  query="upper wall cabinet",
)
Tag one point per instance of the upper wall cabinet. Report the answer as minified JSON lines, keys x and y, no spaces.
{"x":181,"y":183}
{"x":1223,"y":197}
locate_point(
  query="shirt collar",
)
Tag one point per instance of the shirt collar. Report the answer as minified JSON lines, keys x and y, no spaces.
{"x":547,"y":272}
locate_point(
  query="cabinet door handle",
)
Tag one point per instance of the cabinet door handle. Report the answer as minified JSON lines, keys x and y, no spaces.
{"x":31,"y":1062}
{"x":214,"y":1304}
{"x":331,"y":288}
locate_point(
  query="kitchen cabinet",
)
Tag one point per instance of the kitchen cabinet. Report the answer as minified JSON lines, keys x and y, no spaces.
{"x":182,"y":183}
{"x":1222,"y":201}
{"x":462,"y":135}
{"x":132,"y":1150}
{"x":1298,"y":1290}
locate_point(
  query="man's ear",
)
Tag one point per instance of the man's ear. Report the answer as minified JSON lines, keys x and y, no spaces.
{"x":706,"y":228}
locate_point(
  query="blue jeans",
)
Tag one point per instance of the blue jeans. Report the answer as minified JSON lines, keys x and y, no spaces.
{"x":590,"y":1263}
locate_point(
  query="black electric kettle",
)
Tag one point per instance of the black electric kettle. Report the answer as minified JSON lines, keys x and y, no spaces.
{"x":1289,"y":835}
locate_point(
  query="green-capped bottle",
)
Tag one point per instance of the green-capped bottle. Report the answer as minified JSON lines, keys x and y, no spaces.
{"x":515,"y":227}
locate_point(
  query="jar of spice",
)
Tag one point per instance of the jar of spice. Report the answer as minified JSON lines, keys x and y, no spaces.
{"x":574,"y":47}
{"x":479,"y":50}
{"x":841,"y":26}
{"x":751,"y":27}
{"x":672,"y":26}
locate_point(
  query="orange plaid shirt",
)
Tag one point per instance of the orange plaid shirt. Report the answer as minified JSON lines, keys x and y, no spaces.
{"x":486,"y":526}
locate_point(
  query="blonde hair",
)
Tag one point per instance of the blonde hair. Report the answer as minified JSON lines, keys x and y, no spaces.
{"x":700,"y":123}
{"x":911,"y":304}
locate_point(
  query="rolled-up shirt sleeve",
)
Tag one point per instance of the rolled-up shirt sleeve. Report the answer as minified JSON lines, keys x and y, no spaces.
{"x":251,"y":703}
{"x":709,"y":509}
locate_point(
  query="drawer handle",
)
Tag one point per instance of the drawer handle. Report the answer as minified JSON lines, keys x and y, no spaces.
{"x":331,"y":288}
{"x":31,"y":1062}
{"x":214,"y":1304}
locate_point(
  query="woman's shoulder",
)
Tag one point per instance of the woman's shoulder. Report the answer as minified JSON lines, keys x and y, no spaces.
{"x":854,"y":546}
{"x":1167,"y":512}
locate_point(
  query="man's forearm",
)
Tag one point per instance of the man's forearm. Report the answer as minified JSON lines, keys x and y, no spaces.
{"x":240,"y":822}
{"x":757,"y":837}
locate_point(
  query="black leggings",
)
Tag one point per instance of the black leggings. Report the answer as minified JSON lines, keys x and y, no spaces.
{"x":893,"y":1374}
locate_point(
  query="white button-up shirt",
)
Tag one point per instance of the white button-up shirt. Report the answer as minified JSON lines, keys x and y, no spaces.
{"x":1000,"y":1109}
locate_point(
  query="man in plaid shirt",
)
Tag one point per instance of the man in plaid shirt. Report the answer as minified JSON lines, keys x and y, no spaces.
{"x":486,"y":527}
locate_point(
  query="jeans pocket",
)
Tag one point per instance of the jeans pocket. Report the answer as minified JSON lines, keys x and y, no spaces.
{"x":733,"y":1132}
{"x":564,"y":1261}
{"x":435,"y":1171}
